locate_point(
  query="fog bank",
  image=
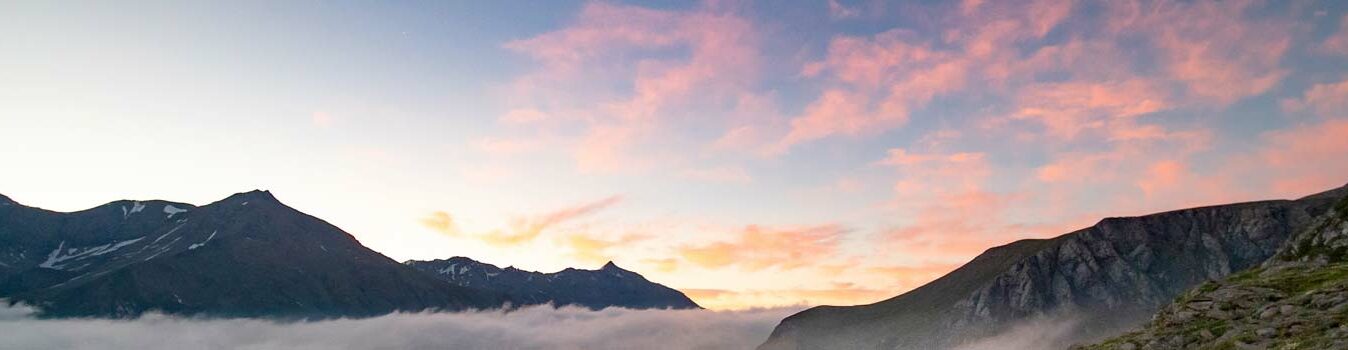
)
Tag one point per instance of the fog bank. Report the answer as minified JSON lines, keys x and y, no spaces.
{"x":539,"y":327}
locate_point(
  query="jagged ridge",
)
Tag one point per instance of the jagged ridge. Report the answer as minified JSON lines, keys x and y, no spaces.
{"x":1296,"y":300}
{"x":594,"y":289}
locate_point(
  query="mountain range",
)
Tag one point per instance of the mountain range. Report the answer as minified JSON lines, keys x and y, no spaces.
{"x":1112,"y":276}
{"x":248,"y":255}
{"x":594,"y":289}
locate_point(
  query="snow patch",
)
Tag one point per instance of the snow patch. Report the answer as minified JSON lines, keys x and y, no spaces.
{"x":136,"y":207}
{"x":203,"y":243}
{"x":175,"y":229}
{"x":56,"y":258}
{"x":172,"y":210}
{"x":51,"y":258}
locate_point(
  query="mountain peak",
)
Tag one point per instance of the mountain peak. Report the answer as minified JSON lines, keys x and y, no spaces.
{"x":5,"y":200}
{"x":254,"y":196}
{"x":610,"y":266}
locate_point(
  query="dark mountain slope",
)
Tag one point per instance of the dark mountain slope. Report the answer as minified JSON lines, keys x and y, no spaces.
{"x":248,"y":255}
{"x":1116,"y":272}
{"x":595,"y":289}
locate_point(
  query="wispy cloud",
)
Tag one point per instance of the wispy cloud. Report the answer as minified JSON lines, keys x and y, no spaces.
{"x":523,"y":229}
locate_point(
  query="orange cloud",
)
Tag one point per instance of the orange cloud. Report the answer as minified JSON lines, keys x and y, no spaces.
{"x":443,"y":223}
{"x":757,"y":248}
{"x":594,"y":250}
{"x":662,"y":265}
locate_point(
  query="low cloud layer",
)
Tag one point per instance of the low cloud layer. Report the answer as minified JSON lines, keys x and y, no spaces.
{"x":539,"y":327}
{"x":1058,"y":332}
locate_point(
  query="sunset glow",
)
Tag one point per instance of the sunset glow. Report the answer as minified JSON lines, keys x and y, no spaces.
{"x":748,"y":154}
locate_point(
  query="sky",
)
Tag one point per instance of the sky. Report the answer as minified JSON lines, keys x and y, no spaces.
{"x":751,"y":154}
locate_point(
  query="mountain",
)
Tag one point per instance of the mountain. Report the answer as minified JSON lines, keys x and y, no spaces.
{"x":1112,"y":275}
{"x":248,"y":255}
{"x":594,"y":289}
{"x":1296,"y":300}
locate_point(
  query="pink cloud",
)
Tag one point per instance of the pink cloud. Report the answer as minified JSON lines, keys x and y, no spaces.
{"x":608,"y":129}
{"x":875,"y":83}
{"x":1303,"y":159}
{"x":837,"y":10}
{"x":1068,"y":108}
{"x":886,"y":81}
{"x":1337,"y":44}
{"x":1210,"y":46}
{"x":1327,"y":100}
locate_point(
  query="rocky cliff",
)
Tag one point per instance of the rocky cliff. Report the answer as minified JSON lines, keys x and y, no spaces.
{"x":1114,"y":275}
{"x":1296,"y":300}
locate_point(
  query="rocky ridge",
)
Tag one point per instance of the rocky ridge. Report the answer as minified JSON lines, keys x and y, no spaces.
{"x":1296,"y":300}
{"x":609,"y":286}
{"x":1116,"y":273}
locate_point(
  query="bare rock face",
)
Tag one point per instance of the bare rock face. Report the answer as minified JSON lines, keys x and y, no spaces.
{"x":1113,"y":275}
{"x":1296,"y":300}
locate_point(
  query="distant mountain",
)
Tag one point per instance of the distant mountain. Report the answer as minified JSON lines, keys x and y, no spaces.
{"x":1113,"y":275}
{"x":248,"y":255}
{"x":594,"y":289}
{"x":1296,"y":300}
